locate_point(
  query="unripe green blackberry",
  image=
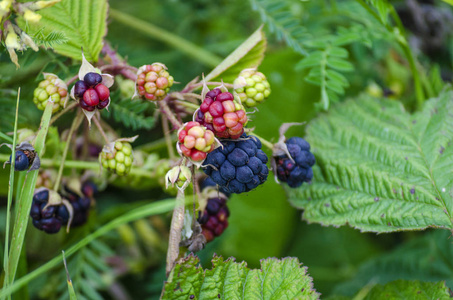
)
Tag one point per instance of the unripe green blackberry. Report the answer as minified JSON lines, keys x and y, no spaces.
{"x":153,"y":82}
{"x":252,"y":87}
{"x":52,"y":87}
{"x":117,"y":157}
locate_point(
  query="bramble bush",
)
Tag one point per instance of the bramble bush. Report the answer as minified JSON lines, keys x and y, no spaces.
{"x":144,"y":154}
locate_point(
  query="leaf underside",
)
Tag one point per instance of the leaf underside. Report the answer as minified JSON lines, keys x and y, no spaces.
{"x":277,"y":279}
{"x":81,"y":22}
{"x":379,"y":168}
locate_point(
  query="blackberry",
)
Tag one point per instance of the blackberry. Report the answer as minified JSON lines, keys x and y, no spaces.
{"x":253,"y":87}
{"x":51,"y":87}
{"x":297,"y":170}
{"x":153,"y":82}
{"x":48,"y":219}
{"x":195,"y":141}
{"x":239,"y":166}
{"x":221,"y":114}
{"x":21,"y":162}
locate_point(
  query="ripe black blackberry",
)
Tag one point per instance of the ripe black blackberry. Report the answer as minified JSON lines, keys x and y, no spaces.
{"x":297,"y":170}
{"x":239,"y":166}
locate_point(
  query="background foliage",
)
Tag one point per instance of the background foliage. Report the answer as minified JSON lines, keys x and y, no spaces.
{"x":319,"y":53}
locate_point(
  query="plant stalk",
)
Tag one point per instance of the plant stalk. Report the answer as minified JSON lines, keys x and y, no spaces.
{"x":167,"y":37}
{"x":177,"y":223}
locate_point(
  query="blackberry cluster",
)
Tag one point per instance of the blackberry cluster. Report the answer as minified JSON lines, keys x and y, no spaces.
{"x":154,"y":81}
{"x":51,"y":87}
{"x":214,"y":219}
{"x":221,"y":114}
{"x":52,"y":218}
{"x":195,"y":141}
{"x":239,"y":166}
{"x":256,"y":88}
{"x":49,"y":219}
{"x":91,"y":93}
{"x":294,"y":173}
{"x":119,"y":160}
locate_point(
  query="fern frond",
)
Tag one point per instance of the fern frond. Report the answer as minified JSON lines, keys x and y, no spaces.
{"x":277,"y":15}
{"x":49,"y":40}
{"x":131,"y":114}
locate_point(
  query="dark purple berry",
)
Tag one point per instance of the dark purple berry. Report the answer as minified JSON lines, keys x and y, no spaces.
{"x":62,"y":214}
{"x":41,"y":196}
{"x":35,"y":211}
{"x":79,"y":89}
{"x":89,"y":189}
{"x":103,"y":104}
{"x":51,"y":225}
{"x":92,"y":79}
{"x":47,"y":212}
{"x":86,"y":106}
{"x":21,"y":162}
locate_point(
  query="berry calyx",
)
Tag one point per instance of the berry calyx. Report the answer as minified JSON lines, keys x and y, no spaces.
{"x":297,"y":169}
{"x":252,"y":87}
{"x":195,"y":141}
{"x":222,"y":114}
{"x":51,"y":87}
{"x":239,"y":166}
{"x":153,"y":82}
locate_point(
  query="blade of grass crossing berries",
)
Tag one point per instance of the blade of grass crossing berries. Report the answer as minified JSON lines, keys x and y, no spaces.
{"x":10,"y":191}
{"x":72,"y":294}
{"x":24,"y":202}
{"x":160,"y":207}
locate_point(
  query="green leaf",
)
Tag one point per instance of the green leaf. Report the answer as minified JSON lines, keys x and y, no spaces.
{"x":83,"y":23}
{"x":404,"y":289}
{"x":130,"y":113}
{"x":277,"y":279}
{"x":448,"y":1}
{"x":339,"y":64}
{"x":248,"y":55}
{"x":280,"y":19}
{"x":380,"y":169}
{"x":426,"y":258}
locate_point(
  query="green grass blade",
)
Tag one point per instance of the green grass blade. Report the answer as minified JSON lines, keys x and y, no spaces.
{"x":72,"y":294}
{"x":5,"y":137}
{"x":147,"y":210}
{"x":24,"y":202}
{"x":10,"y":190}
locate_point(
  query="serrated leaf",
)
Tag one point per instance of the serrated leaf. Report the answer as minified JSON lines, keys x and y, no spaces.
{"x":81,"y":22}
{"x":248,"y":55}
{"x":130,"y":113}
{"x":405,"y":289}
{"x":380,"y":169}
{"x":277,"y":279}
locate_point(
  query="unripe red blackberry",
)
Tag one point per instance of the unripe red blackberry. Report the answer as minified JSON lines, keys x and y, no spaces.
{"x":117,"y":157}
{"x":221,"y":114}
{"x":153,"y":82}
{"x":51,"y":87}
{"x":195,"y":141}
{"x":252,"y":87}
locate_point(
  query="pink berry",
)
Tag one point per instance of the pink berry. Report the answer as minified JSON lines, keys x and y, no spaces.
{"x":90,"y":97}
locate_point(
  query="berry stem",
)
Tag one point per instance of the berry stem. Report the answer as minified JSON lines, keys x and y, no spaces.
{"x":195,"y":86}
{"x":177,"y":223}
{"x":75,"y":124}
{"x":167,"y":135}
{"x":187,"y":104}
{"x":72,"y":79}
{"x":169,"y":114}
{"x":68,"y":108}
{"x":98,"y":125}
{"x":263,"y":141}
